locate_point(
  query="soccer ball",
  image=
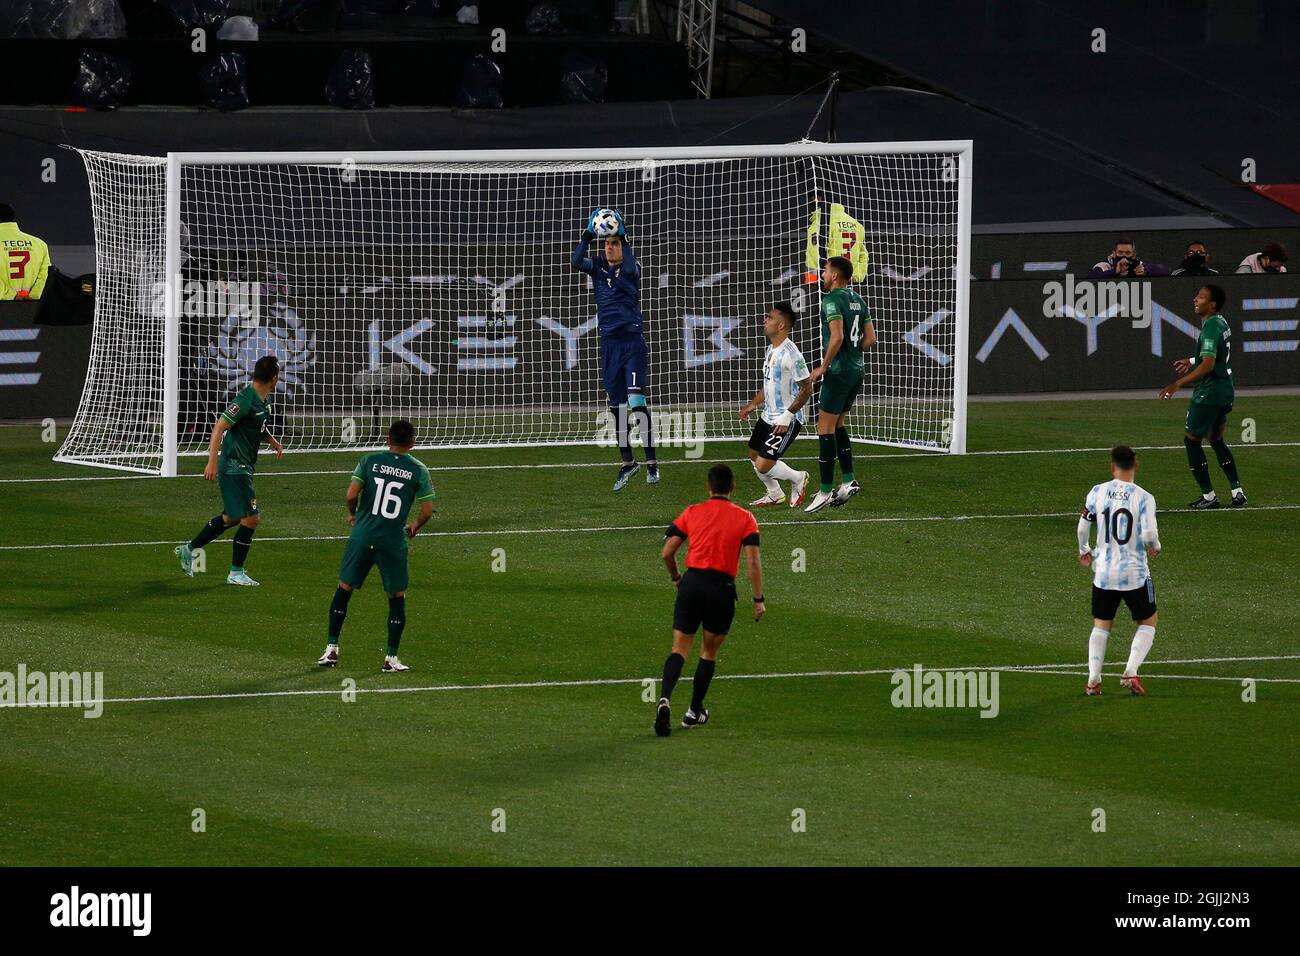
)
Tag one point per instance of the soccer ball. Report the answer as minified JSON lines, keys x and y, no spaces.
{"x":605,"y":223}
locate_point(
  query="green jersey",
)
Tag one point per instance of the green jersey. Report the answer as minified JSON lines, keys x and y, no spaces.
{"x":390,"y":484}
{"x":247,"y":416}
{"x":849,"y":307}
{"x":1216,"y":339}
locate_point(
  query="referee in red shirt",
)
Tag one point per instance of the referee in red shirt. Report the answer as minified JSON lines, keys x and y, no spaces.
{"x":706,"y":594}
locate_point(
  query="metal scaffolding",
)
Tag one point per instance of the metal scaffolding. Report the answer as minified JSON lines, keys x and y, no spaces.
{"x":696,"y":26}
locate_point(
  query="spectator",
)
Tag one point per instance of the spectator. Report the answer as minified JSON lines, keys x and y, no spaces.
{"x":1271,"y":259}
{"x":1123,"y":262}
{"x":24,"y":260}
{"x":1196,"y":261}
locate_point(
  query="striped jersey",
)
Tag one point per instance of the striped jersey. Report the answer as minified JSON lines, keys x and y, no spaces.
{"x":783,"y":369}
{"x":1125,"y":515}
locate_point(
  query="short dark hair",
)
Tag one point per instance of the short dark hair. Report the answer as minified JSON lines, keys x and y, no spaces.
{"x":787,"y":312}
{"x":842,"y":266}
{"x":1123,"y":457}
{"x":7,"y":213}
{"x":1123,"y":241}
{"x":267,"y":368}
{"x":721,"y":480}
{"x":1217,"y":295}
{"x":1275,"y":251}
{"x":402,"y":433}
{"x":1197,"y":242}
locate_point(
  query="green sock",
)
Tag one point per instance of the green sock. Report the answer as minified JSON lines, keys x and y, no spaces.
{"x":396,"y":623}
{"x":845,"y":449}
{"x":1227,"y":462}
{"x":1200,"y":466}
{"x":338,"y":612}
{"x":826,"y":460}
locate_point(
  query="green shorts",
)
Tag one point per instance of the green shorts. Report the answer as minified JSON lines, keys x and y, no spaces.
{"x":238,"y":499}
{"x":360,"y":556}
{"x":839,"y":390}
{"x":1202,"y":418}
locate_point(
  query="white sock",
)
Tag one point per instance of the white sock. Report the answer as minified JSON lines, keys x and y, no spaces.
{"x":783,"y":472}
{"x":1238,"y":491}
{"x":1210,"y":497}
{"x":1096,"y":653}
{"x":770,"y":483}
{"x":1142,"y":640}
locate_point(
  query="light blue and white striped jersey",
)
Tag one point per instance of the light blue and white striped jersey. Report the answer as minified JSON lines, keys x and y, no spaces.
{"x":783,"y":369}
{"x":1125,"y":515}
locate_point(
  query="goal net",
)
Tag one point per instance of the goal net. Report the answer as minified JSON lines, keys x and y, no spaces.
{"x":438,"y":287}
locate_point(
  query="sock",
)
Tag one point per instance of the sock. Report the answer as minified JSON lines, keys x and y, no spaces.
{"x":1142,"y":640}
{"x":243,"y":541}
{"x":338,"y":611}
{"x":1200,"y":466}
{"x":782,"y":472}
{"x":620,"y":429}
{"x":646,"y":428}
{"x":396,"y":623}
{"x":845,"y":449}
{"x":1227,"y":463}
{"x":770,"y":483}
{"x":1096,"y":653}
{"x":672,"y":671}
{"x":826,"y":460}
{"x":211,"y":531}
{"x":700,"y":684}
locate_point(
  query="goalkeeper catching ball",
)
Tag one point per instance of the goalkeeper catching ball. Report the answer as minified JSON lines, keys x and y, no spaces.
{"x":616,"y":281}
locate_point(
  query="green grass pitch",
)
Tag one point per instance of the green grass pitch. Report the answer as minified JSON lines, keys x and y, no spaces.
{"x":942,"y":561}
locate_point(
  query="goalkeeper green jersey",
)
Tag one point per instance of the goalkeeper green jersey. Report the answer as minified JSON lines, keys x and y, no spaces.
{"x":247,"y":416}
{"x":849,"y":307}
{"x":390,"y":484}
{"x":1216,"y":339}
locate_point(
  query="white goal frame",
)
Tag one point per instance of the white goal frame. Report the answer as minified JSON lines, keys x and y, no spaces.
{"x":176,"y":163}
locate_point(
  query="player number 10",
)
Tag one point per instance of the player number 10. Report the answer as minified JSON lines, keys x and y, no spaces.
{"x":386,"y":503}
{"x":1110,"y":521}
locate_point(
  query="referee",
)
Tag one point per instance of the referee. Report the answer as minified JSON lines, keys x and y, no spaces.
{"x":706,"y":594}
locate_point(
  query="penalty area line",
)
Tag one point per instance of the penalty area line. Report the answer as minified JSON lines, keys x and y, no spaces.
{"x":1068,"y":669}
{"x":604,"y":529}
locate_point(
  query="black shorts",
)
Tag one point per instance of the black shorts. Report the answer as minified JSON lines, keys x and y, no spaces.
{"x":768,"y":443}
{"x":1141,"y":602}
{"x":705,"y":597}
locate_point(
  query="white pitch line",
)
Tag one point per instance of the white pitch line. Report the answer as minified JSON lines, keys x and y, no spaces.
{"x":607,"y":464}
{"x":506,"y":532}
{"x":610,"y":681}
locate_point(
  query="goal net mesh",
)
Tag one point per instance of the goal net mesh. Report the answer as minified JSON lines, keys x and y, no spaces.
{"x":443,"y":292}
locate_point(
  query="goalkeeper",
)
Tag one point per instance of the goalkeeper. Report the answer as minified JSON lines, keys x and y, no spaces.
{"x":616,"y":282}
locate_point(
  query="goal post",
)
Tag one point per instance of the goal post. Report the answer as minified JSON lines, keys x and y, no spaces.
{"x":437,"y":286}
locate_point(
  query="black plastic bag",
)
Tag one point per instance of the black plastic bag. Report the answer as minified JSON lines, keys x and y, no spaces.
{"x":480,"y":84}
{"x":182,"y":16}
{"x":102,"y":82}
{"x":351,"y":84}
{"x":306,"y":16}
{"x":584,"y":79}
{"x":224,"y":82}
{"x":544,"y":20}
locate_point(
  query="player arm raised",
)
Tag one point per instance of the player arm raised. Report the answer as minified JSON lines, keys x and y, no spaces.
{"x":1202,"y":369}
{"x":580,"y":260}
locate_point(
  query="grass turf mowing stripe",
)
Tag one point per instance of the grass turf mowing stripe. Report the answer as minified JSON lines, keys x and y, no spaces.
{"x":607,"y":681}
{"x":879,"y":519}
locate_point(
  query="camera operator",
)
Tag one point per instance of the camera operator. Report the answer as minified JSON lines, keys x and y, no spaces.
{"x":1123,"y":262}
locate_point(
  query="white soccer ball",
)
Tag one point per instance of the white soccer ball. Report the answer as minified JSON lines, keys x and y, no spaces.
{"x":604,"y":223}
